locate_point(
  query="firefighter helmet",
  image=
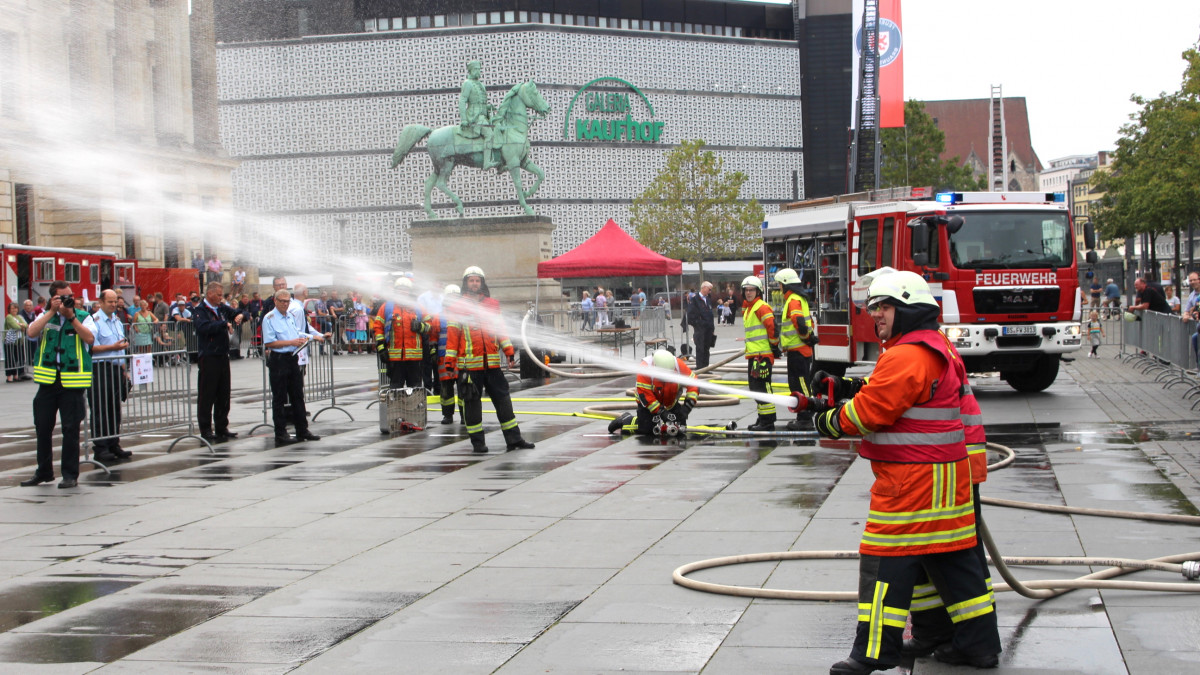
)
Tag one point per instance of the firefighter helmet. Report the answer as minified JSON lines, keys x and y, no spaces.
{"x":403,"y":282}
{"x":900,"y":288}
{"x":787,"y":276}
{"x":753,"y":282}
{"x":473,"y":271}
{"x":665,"y":360}
{"x":452,"y":289}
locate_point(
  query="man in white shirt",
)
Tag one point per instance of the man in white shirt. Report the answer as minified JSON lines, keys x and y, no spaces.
{"x":108,"y":378}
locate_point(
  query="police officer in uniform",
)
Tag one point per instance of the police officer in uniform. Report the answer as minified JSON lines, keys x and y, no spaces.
{"x":474,"y":113}
{"x":762,"y":348}
{"x":473,"y":348}
{"x":922,"y":511}
{"x":796,"y":339}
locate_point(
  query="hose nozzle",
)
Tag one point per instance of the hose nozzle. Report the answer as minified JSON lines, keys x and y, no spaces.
{"x":1191,"y":569}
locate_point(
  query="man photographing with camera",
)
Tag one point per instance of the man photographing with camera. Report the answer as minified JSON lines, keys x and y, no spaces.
{"x":63,"y":371}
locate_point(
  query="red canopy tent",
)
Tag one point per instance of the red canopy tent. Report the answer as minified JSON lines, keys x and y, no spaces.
{"x":611,"y":252}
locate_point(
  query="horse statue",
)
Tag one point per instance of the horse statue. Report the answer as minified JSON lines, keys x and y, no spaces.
{"x":448,"y":148}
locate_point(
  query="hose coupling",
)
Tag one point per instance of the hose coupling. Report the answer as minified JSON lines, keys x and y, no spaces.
{"x":1191,"y":569}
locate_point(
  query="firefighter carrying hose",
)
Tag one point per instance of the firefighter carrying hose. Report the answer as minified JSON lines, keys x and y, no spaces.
{"x":762,"y":348}
{"x":473,"y":346}
{"x":663,"y":406}
{"x":922,"y":511}
{"x":797,"y":339}
{"x":399,"y":332}
{"x":446,"y":377}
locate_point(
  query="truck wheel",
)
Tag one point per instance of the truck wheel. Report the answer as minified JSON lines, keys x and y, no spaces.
{"x":1039,"y":378}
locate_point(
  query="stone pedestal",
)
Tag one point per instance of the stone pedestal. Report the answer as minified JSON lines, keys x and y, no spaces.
{"x":506,"y":248}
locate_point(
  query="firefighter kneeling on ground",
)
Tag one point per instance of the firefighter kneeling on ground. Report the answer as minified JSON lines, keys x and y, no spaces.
{"x":796,"y":339}
{"x":922,"y":511}
{"x":399,"y":331}
{"x":663,"y":406}
{"x":762,"y":348}
{"x":474,"y":342}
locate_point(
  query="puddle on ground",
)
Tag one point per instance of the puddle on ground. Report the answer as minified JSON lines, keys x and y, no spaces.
{"x":37,"y":598}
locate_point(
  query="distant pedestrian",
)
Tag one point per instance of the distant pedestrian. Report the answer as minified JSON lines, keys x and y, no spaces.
{"x":1191,"y":311}
{"x":700,"y":318}
{"x":1095,"y":332}
{"x":588,"y":309}
{"x":1112,"y":298}
{"x":1149,"y":297}
{"x":109,"y":375}
{"x":239,"y":281}
{"x":1096,"y":290}
{"x":14,"y":342}
{"x":214,"y":324}
{"x":601,"y":304}
{"x":1172,"y":299}
{"x":284,"y":341}
{"x":213,"y":269}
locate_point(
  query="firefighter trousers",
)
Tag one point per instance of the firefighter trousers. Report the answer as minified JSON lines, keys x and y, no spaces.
{"x":491,"y":381}
{"x":885,"y":589}
{"x":403,"y":374}
{"x":930,"y":620}
{"x":799,"y":369}
{"x":758,"y":374}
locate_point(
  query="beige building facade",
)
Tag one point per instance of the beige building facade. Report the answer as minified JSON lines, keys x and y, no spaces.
{"x":108,"y":129}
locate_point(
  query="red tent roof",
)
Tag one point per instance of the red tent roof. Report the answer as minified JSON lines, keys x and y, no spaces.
{"x":611,"y":252}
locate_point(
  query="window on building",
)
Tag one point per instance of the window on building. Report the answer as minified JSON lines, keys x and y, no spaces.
{"x":382,"y":24}
{"x":480,"y":18}
{"x":426,"y":22}
{"x":625,"y":24}
{"x":494,"y":17}
{"x":558,"y":19}
{"x":9,"y":56}
{"x":591,"y":21}
{"x":369,"y":25}
{"x":22,"y":197}
{"x":602,"y":22}
{"x":411,"y":22}
{"x":523,"y":17}
{"x":656,"y":25}
{"x":510,"y":17}
{"x":439,"y":20}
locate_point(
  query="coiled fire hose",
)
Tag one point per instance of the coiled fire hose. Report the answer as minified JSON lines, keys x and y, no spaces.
{"x":1185,"y":563}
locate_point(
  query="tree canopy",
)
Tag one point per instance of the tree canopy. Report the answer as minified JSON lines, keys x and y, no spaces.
{"x":914,"y":160}
{"x":693,"y":210}
{"x":1154,"y":184}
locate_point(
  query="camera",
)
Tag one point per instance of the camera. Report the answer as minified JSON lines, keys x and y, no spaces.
{"x":68,"y":301}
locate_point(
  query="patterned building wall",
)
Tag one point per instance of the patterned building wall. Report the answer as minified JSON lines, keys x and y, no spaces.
{"x":313,"y":124}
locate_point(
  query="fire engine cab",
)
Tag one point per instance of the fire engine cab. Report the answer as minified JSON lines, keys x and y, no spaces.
{"x":1001,"y":264}
{"x":26,"y":272}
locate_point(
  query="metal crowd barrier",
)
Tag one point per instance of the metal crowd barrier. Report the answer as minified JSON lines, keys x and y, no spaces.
{"x":318,"y":382}
{"x":1162,"y":344}
{"x":147,"y":391}
{"x":17,"y":355}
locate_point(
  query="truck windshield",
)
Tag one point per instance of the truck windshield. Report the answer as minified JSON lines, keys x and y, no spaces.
{"x":1012,"y":239}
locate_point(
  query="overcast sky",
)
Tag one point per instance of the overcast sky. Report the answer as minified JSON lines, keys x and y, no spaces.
{"x":1076,"y":62}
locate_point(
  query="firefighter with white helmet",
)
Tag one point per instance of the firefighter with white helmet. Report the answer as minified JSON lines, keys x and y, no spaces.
{"x":922,"y":513}
{"x":446,"y":378}
{"x":762,"y":348}
{"x":663,"y":405}
{"x":474,"y":343}
{"x":400,"y":331}
{"x":796,"y":338}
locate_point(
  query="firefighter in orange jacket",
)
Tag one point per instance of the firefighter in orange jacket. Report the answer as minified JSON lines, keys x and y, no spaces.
{"x":762,"y":348}
{"x":399,"y":332}
{"x":474,"y":342}
{"x":447,"y":377}
{"x":796,"y":339}
{"x":663,"y":405}
{"x":922,"y":513}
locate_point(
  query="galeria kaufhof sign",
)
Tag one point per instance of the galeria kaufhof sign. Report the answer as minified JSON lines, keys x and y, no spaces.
{"x":599,"y":115}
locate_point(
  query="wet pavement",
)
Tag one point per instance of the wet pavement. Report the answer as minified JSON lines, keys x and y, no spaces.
{"x":411,"y":553}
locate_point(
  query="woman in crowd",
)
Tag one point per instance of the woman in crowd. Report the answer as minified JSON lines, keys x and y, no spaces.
{"x":588,"y":309}
{"x":14,"y":342}
{"x":143,"y":329}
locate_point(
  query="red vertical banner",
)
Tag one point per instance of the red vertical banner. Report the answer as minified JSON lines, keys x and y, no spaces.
{"x":891,"y":65}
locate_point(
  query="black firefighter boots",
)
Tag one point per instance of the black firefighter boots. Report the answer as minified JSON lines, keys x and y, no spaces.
{"x":803,"y":422}
{"x":915,"y":647}
{"x":763,"y":423}
{"x":477,"y":442}
{"x":851,"y":667}
{"x":948,"y":654}
{"x":512,"y":438}
{"x":617,"y":424}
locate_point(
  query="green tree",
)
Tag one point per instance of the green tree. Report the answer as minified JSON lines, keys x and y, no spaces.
{"x":910,"y":155}
{"x":693,"y":210}
{"x":1154,"y":185}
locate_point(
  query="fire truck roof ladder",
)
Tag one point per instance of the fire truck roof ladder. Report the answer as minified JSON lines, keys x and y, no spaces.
{"x":998,"y":176}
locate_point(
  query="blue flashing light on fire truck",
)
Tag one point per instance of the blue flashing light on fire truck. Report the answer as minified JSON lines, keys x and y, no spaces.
{"x":1002,"y":265}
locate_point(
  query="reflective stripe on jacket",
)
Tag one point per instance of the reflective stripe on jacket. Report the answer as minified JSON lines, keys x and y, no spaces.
{"x":475,"y":341}
{"x":759,"y":322}
{"x":655,"y":395}
{"x":972,"y":418}
{"x":74,"y":362}
{"x":797,"y":325}
{"x":404,"y":345}
{"x":918,"y":509}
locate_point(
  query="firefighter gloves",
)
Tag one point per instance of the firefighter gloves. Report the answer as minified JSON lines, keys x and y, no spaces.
{"x":829,"y":423}
{"x":760,"y":368}
{"x":843,"y":387}
{"x":415,"y":325}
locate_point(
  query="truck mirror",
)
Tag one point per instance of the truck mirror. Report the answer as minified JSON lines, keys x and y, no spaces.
{"x":954,"y":224}
{"x":1092,"y":258}
{"x":1089,"y":236}
{"x":919,"y":231}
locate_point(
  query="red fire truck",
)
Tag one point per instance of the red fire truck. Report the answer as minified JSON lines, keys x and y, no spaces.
{"x":27,"y":271}
{"x":1001,"y":264}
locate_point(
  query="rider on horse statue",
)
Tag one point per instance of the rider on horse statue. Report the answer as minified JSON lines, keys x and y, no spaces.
{"x":475,"y":112}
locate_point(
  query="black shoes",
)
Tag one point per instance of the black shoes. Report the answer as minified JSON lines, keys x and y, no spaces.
{"x":105,"y":457}
{"x":615,"y":425}
{"x":851,"y":667}
{"x":520,"y":444}
{"x":67,"y":483}
{"x":227,"y":434}
{"x":121,"y":453}
{"x":916,"y":647}
{"x":212,"y":439}
{"x":761,"y":426}
{"x":448,"y":419}
{"x":36,"y":480}
{"x":308,"y":436}
{"x":948,"y":654}
{"x":800,"y":425}
{"x":281,"y":441}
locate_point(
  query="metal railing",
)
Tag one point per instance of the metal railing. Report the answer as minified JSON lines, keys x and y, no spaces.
{"x":1163,"y":344}
{"x":146,"y":391}
{"x":17,"y":352}
{"x":318,"y":381}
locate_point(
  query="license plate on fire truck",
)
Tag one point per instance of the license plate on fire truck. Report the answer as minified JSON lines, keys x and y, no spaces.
{"x":1020,"y":330}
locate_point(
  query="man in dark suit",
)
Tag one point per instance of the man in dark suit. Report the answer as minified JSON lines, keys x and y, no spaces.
{"x":214,"y":323}
{"x":700,"y":318}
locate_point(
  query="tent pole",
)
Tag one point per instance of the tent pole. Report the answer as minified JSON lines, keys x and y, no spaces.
{"x":537,"y":296}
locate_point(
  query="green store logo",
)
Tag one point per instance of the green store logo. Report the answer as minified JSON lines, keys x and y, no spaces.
{"x":608,"y":128}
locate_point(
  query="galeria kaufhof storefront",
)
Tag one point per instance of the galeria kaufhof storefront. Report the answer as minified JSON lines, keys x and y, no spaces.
{"x":313,"y":123}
